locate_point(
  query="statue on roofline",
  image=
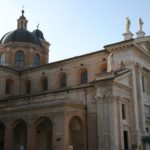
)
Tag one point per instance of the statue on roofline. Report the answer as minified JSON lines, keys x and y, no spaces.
{"x":141,"y":23}
{"x":128,"y":23}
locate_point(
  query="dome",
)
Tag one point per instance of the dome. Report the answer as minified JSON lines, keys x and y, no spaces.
{"x":20,"y":35}
{"x":38,"y":34}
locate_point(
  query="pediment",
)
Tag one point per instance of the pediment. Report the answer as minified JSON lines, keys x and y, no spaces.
{"x":145,"y":46}
{"x":124,"y":79}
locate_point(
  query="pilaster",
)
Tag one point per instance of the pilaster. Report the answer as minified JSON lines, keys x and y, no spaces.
{"x":31,"y":136}
{"x":140,"y":99}
{"x":107,"y":123}
{"x":135,"y":110}
{"x":8,"y":145}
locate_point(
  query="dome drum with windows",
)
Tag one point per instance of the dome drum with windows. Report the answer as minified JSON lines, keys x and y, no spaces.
{"x":22,"y":49}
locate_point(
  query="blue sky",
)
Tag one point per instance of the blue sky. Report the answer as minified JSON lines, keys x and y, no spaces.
{"x":76,"y":27}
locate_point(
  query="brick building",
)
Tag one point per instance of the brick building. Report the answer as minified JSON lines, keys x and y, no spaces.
{"x":97,"y":101}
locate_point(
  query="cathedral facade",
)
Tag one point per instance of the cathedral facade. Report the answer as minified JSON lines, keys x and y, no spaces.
{"x":97,"y":101}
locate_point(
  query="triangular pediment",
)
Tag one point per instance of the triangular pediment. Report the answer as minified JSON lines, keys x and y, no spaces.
{"x":145,"y":46}
{"x":124,"y":79}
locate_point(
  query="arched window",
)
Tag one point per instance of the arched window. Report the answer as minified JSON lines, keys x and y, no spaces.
{"x":44,"y":83}
{"x":2,"y":59}
{"x":19,"y":59}
{"x":36,"y":60}
{"x":63,"y":80}
{"x":103,"y":67}
{"x":28,"y":86}
{"x":83,"y":76}
{"x":22,"y":24}
{"x":9,"y":86}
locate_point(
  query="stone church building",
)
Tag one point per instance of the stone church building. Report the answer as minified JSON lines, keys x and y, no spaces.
{"x":96,"y":101}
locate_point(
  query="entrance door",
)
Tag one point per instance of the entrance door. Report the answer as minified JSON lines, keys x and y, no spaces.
{"x":44,"y":135}
{"x":2,"y":132}
{"x":76,"y":134}
{"x":20,"y":136}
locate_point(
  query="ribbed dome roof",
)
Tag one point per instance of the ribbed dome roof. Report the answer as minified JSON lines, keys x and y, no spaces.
{"x":38,"y":33}
{"x":20,"y":35}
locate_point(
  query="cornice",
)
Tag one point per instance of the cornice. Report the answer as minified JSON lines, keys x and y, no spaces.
{"x":119,"y":45}
{"x":5,"y":68}
{"x":128,"y":88}
{"x":45,"y":94}
{"x":126,"y":44}
{"x":63,"y":103}
{"x":141,"y":51}
{"x":20,"y":44}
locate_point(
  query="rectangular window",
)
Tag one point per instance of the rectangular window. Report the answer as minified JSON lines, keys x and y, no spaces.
{"x":28,"y":87}
{"x":45,"y":85}
{"x":123,"y":112}
{"x":84,"y":77}
{"x":7,"y":88}
{"x":147,"y":129}
{"x":125,"y":136}
{"x":143,"y":84}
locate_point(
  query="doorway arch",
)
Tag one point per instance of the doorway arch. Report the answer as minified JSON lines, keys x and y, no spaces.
{"x":44,"y":134}
{"x":76,"y":134}
{"x":20,"y":135}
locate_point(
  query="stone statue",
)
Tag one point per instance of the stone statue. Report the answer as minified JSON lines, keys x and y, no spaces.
{"x":128,"y":25}
{"x":141,"y":23}
{"x":110,"y":62}
{"x":122,"y":65}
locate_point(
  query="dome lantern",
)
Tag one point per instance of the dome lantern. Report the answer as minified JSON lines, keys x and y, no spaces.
{"x":22,"y":21}
{"x":38,"y":33}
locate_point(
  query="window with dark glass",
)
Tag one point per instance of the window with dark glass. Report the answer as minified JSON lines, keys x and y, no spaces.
{"x":2,"y":59}
{"x":21,"y":24}
{"x":123,"y":112}
{"x":8,"y":86}
{"x":84,"y":77}
{"x":63,"y":81}
{"x":19,"y":59}
{"x":36,"y":60}
{"x":126,"y":142}
{"x":28,"y":87}
{"x":2,"y":136}
{"x":147,"y":129}
{"x":44,"y":84}
{"x":143,"y":84}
